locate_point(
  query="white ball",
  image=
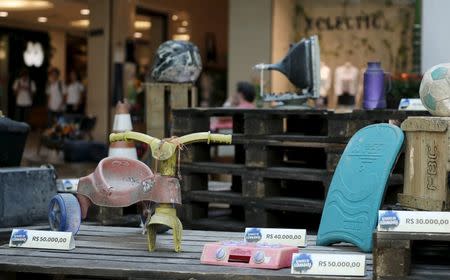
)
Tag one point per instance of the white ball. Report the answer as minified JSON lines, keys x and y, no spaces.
{"x":435,"y":90}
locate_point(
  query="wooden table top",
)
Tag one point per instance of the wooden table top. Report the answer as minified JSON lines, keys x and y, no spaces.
{"x":118,"y":252}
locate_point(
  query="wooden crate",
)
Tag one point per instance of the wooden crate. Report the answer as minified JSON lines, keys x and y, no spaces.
{"x":426,"y":164}
{"x":403,"y":255}
{"x":161,"y":99}
{"x":282,"y":165}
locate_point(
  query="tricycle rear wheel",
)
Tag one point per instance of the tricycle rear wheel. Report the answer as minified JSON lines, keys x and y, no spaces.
{"x":64,"y":213}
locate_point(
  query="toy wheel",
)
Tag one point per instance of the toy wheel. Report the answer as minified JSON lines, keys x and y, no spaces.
{"x":64,"y":213}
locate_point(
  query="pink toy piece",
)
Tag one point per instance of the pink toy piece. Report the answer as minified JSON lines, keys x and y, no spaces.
{"x":121,"y":182}
{"x":243,"y":254}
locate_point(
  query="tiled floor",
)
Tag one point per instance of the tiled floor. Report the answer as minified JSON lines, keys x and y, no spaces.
{"x":64,"y":169}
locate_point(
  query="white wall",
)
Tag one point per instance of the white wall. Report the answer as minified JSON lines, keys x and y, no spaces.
{"x":283,"y":13}
{"x":250,"y":39}
{"x":435,"y":33}
{"x":98,"y":93}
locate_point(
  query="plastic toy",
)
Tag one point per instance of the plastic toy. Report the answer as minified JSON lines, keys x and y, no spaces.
{"x":176,"y":62}
{"x":120,"y":182}
{"x":435,"y":90}
{"x":351,"y":208}
{"x":243,"y":254}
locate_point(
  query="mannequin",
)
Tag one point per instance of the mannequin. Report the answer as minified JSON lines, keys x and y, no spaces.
{"x":346,"y":83}
{"x":325,"y":79}
{"x":325,"y":84}
{"x":359,"y":96}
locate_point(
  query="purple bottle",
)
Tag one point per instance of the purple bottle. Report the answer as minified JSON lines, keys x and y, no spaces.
{"x":374,"y":87}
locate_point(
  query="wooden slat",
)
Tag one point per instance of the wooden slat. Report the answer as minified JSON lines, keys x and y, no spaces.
{"x":303,"y":205}
{"x":413,"y":236}
{"x":394,"y":251}
{"x":155,"y":109}
{"x":108,"y":269}
{"x":179,"y":95}
{"x":387,"y":114}
{"x":224,"y":224}
{"x":276,"y":203}
{"x":289,"y":173}
{"x":289,"y":139}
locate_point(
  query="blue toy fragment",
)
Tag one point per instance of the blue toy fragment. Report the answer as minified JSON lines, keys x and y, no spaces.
{"x":358,"y":185}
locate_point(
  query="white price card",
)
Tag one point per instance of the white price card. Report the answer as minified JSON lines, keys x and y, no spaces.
{"x":328,"y":264}
{"x":411,"y":104}
{"x":292,"y":237}
{"x":67,"y":185}
{"x":42,"y":239}
{"x":414,"y":221}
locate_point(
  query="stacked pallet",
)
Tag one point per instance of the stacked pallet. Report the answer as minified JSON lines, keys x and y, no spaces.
{"x":283,"y":162}
{"x":161,"y":99}
{"x":409,"y":255}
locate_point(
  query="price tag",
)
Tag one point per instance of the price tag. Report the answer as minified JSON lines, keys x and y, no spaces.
{"x":328,"y":264}
{"x":414,"y":221}
{"x":42,"y":239}
{"x":67,"y":185}
{"x":292,"y":237}
{"x":411,"y":104}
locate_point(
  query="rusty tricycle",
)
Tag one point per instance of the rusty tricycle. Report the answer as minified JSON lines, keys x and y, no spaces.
{"x":121,"y":182}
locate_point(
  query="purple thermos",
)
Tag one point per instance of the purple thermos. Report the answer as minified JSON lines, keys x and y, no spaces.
{"x":374,"y":87}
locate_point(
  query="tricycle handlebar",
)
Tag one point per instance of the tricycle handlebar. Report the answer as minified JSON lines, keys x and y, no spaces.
{"x":164,"y":149}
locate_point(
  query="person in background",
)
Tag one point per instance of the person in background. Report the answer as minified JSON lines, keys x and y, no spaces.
{"x":23,"y":88}
{"x":245,"y":95}
{"x":55,"y":93}
{"x":243,"y":99}
{"x":74,"y":94}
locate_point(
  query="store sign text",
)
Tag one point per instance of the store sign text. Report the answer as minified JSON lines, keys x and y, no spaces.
{"x":431,"y":167}
{"x":364,"y":21}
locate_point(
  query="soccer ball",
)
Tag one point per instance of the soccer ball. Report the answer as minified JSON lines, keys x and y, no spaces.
{"x":435,"y":90}
{"x":176,"y":62}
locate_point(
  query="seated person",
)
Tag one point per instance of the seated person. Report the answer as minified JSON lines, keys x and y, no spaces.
{"x":243,"y":98}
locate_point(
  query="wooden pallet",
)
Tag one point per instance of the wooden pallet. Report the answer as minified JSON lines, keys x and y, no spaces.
{"x":121,"y":253}
{"x":399,"y":255}
{"x":161,"y":99}
{"x":426,"y":172}
{"x":282,"y":165}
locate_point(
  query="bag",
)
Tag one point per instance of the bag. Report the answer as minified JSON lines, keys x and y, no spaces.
{"x":13,"y":136}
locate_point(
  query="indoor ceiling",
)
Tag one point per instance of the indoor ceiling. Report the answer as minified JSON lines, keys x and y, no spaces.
{"x":63,"y":15}
{"x":58,"y":16}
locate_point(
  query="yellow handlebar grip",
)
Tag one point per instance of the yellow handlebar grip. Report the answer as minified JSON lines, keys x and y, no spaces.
{"x":220,"y":138}
{"x":114,"y":137}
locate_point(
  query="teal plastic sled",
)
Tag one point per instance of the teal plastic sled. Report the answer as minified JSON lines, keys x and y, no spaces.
{"x":357,"y":189}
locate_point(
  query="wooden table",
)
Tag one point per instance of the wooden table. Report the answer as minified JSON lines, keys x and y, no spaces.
{"x":117,"y":252}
